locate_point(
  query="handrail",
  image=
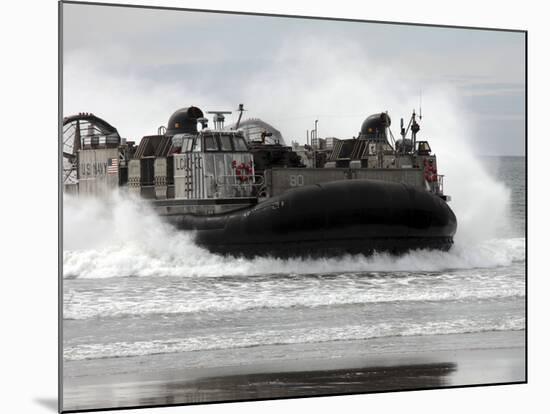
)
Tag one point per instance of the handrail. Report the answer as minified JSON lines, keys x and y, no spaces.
{"x":436,"y":187}
{"x":255,"y":180}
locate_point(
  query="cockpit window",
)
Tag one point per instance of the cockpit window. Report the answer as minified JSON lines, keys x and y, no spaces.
{"x":225,"y":141}
{"x":197,"y":146}
{"x":210,"y":143}
{"x":372,"y":149}
{"x":424,"y":147}
{"x":239,"y":143}
{"x":187,"y":144}
{"x":176,"y":140}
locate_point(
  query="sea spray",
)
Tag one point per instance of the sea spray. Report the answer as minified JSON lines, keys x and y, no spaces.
{"x":122,"y":236}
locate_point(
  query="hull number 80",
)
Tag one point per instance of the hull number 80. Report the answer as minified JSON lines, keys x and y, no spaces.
{"x":296,"y":180}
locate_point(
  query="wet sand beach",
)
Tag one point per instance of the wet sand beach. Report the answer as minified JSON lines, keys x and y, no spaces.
{"x":346,"y":367}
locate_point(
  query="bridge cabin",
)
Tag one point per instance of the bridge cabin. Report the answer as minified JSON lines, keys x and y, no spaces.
{"x":195,"y":167}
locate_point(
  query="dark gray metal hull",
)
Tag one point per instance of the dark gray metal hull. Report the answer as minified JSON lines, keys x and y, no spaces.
{"x":330,"y":219}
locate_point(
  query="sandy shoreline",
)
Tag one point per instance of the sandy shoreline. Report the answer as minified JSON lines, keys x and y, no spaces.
{"x":482,"y":358}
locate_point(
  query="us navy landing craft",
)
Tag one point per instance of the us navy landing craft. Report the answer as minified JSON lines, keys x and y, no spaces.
{"x":243,"y":191}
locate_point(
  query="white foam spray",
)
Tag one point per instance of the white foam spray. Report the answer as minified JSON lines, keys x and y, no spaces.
{"x":122,"y":236}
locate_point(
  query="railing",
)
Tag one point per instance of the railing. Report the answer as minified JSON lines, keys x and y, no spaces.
{"x":240,"y":180}
{"x":242,"y":185}
{"x":436,"y":186}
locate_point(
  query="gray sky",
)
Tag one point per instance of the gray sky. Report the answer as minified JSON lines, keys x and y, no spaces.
{"x":134,"y":67}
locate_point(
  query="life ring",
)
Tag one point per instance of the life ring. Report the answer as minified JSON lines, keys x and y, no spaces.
{"x":242,"y":171}
{"x":430,"y":172}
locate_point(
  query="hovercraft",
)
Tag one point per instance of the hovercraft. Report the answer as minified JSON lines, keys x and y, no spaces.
{"x":242,"y":191}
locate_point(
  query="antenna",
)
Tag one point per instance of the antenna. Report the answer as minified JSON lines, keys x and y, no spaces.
{"x":420,"y":108}
{"x":241,"y":110}
{"x":316,"y":121}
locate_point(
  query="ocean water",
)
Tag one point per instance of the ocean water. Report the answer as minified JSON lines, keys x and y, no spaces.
{"x":137,"y":292}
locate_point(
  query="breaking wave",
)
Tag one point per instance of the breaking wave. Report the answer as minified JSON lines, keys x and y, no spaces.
{"x":293,"y":336}
{"x":147,"y":297}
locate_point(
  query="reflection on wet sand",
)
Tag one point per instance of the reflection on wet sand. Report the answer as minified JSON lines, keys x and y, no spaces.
{"x":267,"y":385}
{"x":289,"y":384}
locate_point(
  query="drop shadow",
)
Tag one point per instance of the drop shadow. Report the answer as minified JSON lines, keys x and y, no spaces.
{"x":49,"y":403}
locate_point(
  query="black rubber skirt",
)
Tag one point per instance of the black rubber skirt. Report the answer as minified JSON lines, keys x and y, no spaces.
{"x":330,"y":219}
